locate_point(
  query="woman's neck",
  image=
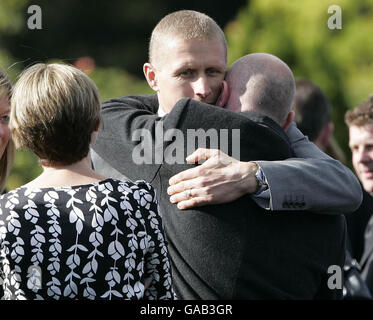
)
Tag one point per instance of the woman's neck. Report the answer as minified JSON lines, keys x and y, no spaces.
{"x":78,"y":173}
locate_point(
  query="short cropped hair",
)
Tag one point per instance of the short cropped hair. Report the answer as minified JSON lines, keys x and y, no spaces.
{"x":360,"y":115}
{"x":265,"y":82}
{"x":186,"y":25}
{"x":312,"y":108}
{"x":7,"y":158}
{"x":54,"y":110}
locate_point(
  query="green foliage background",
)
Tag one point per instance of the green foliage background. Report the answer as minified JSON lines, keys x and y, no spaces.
{"x":339,"y":61}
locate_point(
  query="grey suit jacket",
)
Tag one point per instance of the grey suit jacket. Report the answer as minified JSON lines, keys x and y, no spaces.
{"x":331,"y":187}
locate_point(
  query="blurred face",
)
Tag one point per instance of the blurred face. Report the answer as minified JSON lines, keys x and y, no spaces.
{"x":187,"y":69}
{"x":361,"y":144}
{"x":4,"y":120}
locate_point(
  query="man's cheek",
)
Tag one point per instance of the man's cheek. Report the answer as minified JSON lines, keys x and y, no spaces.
{"x":187,"y":92}
{"x":215,"y":95}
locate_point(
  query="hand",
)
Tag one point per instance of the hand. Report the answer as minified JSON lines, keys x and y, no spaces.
{"x":220,"y":179}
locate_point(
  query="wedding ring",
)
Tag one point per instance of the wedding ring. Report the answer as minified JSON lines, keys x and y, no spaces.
{"x":190,"y":193}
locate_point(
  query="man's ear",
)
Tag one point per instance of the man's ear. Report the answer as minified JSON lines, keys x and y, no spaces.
{"x":289,"y":120}
{"x":150,"y":75}
{"x":224,"y":95}
{"x":325,"y":135}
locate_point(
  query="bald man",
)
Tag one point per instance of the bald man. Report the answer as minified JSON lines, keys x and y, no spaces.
{"x":262,"y":83}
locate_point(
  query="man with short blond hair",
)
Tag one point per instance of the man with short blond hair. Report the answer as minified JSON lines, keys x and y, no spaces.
{"x":187,"y":58}
{"x":187,"y":25}
{"x":360,"y":123}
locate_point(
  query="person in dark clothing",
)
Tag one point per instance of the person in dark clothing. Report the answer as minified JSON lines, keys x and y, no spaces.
{"x":313,"y":117}
{"x":360,"y":124}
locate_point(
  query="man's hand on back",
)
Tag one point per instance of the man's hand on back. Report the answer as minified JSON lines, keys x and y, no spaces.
{"x":220,"y":179}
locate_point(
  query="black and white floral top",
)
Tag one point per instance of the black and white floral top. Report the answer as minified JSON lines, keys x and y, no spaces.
{"x":99,"y":241}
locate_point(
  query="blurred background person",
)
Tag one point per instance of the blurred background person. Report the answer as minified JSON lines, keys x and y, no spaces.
{"x":72,"y":233}
{"x":6,"y":144}
{"x":313,"y":117}
{"x":360,"y":124}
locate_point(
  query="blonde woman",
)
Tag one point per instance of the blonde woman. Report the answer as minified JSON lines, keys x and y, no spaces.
{"x":72,"y":233}
{"x":6,"y":144}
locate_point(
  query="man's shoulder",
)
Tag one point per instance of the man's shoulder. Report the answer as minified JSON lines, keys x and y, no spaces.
{"x":196,"y":112}
{"x":266,"y":143}
{"x":267,"y":122}
{"x":146,"y":101}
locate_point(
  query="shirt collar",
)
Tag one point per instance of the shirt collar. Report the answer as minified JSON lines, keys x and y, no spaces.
{"x":160,"y":112}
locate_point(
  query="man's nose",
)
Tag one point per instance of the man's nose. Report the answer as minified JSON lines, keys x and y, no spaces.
{"x":202,"y":88}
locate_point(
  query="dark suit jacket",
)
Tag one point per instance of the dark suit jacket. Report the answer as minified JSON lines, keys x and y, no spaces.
{"x":235,"y":250}
{"x":360,"y":228}
{"x":356,"y":225}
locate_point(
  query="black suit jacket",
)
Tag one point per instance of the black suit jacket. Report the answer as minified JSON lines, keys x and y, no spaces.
{"x":360,"y":228}
{"x":356,"y":225}
{"x":235,"y":250}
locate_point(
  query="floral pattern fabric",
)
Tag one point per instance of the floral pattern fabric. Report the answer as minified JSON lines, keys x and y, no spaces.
{"x":99,"y":241}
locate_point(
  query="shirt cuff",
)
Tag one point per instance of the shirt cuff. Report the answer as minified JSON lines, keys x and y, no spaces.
{"x":263,"y":196}
{"x":263,"y":199}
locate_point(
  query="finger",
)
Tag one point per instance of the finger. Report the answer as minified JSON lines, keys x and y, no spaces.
{"x":194,"y":202}
{"x":201,"y":154}
{"x":183,"y":185}
{"x":187,"y":194}
{"x":184,"y":175}
{"x":181,"y":196}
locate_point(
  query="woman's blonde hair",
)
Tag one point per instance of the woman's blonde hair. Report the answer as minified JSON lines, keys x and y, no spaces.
{"x":54,"y":110}
{"x":7,"y":158}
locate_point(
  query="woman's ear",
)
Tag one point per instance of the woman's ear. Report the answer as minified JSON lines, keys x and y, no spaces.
{"x":150,"y":75}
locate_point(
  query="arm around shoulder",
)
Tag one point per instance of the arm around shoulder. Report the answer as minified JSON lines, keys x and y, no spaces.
{"x":314,"y":181}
